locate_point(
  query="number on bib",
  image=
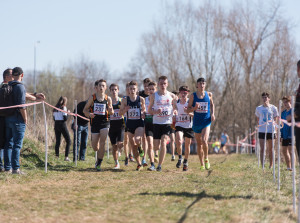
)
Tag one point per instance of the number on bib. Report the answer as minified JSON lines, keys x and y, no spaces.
{"x":134,"y":113}
{"x":99,"y":109}
{"x":202,"y":107}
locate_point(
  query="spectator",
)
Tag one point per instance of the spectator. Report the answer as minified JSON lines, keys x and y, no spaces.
{"x":82,"y":132}
{"x":15,"y":124}
{"x":60,"y":126}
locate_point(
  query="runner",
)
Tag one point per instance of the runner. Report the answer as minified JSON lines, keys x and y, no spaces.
{"x":161,"y":106}
{"x":116,"y":130}
{"x":98,"y":107}
{"x":286,"y":133}
{"x":134,"y":106}
{"x":172,"y":134}
{"x":224,"y":141}
{"x":145,"y":94}
{"x":201,"y":103}
{"x":149,"y":126}
{"x":262,"y":112}
{"x":183,"y":127}
{"x":127,"y":147}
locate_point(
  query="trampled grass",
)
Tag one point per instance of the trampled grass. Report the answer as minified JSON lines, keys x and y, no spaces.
{"x":234,"y":190}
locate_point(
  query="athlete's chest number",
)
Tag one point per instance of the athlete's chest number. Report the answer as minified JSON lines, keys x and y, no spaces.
{"x":116,"y":115}
{"x":134,"y":113}
{"x":202,"y":107}
{"x":99,"y":109}
{"x":183,"y":118}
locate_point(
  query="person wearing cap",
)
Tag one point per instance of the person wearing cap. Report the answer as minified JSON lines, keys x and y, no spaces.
{"x":183,"y":127}
{"x":15,"y":124}
{"x":201,"y":103}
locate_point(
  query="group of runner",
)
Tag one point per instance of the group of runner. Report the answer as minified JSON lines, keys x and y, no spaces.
{"x":144,"y":119}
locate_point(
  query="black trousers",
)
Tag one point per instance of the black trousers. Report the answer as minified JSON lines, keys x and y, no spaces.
{"x":60,"y":128}
{"x":297,"y":137}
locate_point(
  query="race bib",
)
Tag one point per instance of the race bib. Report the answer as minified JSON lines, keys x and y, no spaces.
{"x":134,"y":113}
{"x":116,"y":115}
{"x":202,"y":107}
{"x":183,"y":118}
{"x":165,"y":112}
{"x":99,"y":109}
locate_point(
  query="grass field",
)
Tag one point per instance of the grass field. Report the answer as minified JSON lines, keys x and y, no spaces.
{"x":234,"y":190}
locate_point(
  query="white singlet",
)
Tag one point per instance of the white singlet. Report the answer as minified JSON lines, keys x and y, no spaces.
{"x":165,"y":103}
{"x":183,"y":119}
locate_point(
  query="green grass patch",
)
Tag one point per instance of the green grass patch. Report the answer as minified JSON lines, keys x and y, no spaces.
{"x":234,"y":190}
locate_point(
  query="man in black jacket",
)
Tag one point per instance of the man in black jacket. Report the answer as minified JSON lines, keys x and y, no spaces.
{"x":297,"y":113}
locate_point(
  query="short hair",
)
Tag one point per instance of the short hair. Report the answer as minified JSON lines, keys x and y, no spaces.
{"x":146,"y":80}
{"x":201,"y":79}
{"x":99,"y":81}
{"x":17,"y":71}
{"x":127,"y":84}
{"x":134,"y":83}
{"x":184,"y":88}
{"x":298,"y":64}
{"x":175,"y":92}
{"x":162,"y":78}
{"x":152,"y":83}
{"x":113,"y":85}
{"x":288,"y":98}
{"x":265,"y":94}
{"x":6,"y":73}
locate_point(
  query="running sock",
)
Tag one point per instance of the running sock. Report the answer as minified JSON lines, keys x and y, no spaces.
{"x":116,"y":162}
{"x":180,"y":157}
{"x":158,"y":166}
{"x":99,"y":162}
{"x":152,"y":163}
{"x":185,"y":161}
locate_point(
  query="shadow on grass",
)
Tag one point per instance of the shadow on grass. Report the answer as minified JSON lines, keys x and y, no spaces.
{"x":62,"y":168}
{"x":34,"y":158}
{"x":209,"y":172}
{"x":102,"y":170}
{"x":198,"y":197}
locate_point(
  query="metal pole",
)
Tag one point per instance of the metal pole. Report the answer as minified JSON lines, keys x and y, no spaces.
{"x":265,"y":142}
{"x":250,"y":141}
{"x":278,"y":146}
{"x":293,"y":158}
{"x":46,"y":138}
{"x":76,"y":134}
{"x":107,"y":148}
{"x":246,"y":147}
{"x":257,"y":147}
{"x":273,"y":149}
{"x":237,"y":146}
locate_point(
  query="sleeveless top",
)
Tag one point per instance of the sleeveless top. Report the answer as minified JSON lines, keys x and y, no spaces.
{"x":134,"y":116}
{"x":99,"y":108}
{"x":165,"y":103}
{"x":116,"y":120}
{"x":202,"y":114}
{"x":182,"y":118}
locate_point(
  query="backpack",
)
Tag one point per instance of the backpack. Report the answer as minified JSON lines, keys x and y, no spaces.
{"x":7,"y":99}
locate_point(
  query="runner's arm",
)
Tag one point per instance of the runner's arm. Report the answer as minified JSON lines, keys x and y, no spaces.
{"x":122,"y":110}
{"x":190,"y":107}
{"x":87,"y":106}
{"x":109,"y":105}
{"x":151,"y":103}
{"x":143,"y":108}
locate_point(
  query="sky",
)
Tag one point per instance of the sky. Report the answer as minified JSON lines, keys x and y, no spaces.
{"x":101,"y":30}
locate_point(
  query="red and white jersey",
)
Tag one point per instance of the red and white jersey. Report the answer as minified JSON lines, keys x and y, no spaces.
{"x":183,"y":119}
{"x":163,"y":102}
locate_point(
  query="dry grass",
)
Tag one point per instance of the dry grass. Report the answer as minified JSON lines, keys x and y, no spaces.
{"x":234,"y":190}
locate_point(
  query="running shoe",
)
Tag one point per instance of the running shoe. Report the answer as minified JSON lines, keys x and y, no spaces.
{"x":178,"y":164}
{"x":98,"y":166}
{"x":117,"y":166}
{"x":185,"y":167}
{"x":67,"y":159}
{"x":144,"y":163}
{"x":158,"y":169}
{"x":139,"y":167}
{"x":207,"y":164}
{"x":126,"y":161}
{"x":173,"y":158}
{"x":152,"y":168}
{"x":156,"y":159}
{"x":131,"y":158}
{"x":202,"y":168}
{"x":141,"y":151}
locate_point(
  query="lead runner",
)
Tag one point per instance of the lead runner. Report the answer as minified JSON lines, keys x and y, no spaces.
{"x":201,"y":103}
